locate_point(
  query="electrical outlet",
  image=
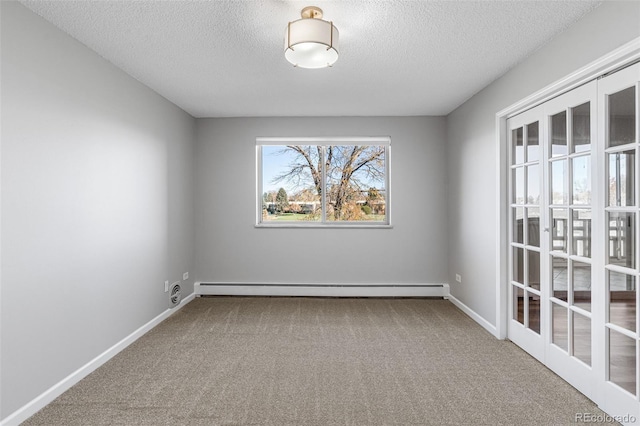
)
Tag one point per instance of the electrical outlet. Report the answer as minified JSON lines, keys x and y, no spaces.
{"x":458,"y":278}
{"x":166,"y":286}
{"x":185,"y":276}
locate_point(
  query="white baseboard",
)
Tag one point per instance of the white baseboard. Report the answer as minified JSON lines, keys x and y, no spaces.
{"x":474,"y":316}
{"x":322,"y":290}
{"x":65,"y":384}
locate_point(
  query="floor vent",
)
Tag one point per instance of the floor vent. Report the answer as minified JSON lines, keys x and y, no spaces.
{"x":176,"y":295}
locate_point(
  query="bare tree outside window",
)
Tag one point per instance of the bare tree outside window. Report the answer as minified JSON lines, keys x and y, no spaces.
{"x":352,"y":177}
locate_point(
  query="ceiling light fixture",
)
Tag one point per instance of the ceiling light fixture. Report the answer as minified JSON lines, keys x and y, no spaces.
{"x":311,"y":42}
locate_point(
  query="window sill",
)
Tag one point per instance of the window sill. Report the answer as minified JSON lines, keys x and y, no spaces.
{"x":349,"y":225}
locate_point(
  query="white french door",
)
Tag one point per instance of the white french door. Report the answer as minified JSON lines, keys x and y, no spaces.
{"x":552,"y":152}
{"x":573,"y":260}
{"x":572,"y":167}
{"x":527,"y":242}
{"x":617,"y":334}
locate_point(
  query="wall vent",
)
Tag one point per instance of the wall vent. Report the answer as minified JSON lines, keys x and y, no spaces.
{"x":176,"y":295}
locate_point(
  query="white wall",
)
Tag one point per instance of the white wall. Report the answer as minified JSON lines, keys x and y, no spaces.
{"x":230,"y":249}
{"x":471,"y":146}
{"x":97,"y":204}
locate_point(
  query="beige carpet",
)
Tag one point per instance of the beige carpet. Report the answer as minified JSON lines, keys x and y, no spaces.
{"x":316,"y":361}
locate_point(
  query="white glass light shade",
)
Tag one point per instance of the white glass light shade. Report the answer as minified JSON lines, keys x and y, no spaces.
{"x":311,"y":43}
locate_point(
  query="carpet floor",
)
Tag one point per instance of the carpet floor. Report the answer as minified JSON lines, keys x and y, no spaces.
{"x":318,"y":361}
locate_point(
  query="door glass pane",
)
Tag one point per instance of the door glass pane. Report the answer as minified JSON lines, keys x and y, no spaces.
{"x":559,"y":229}
{"x":533,"y":258}
{"x":622,"y":361}
{"x":534,"y":311}
{"x":533,"y":184}
{"x":533,"y":226}
{"x":622,"y":117}
{"x":581,"y":118}
{"x":582,"y":180}
{"x":581,"y":238}
{"x":622,"y":237}
{"x":518,"y":265}
{"x":560,"y":277}
{"x":622,"y":300}
{"x":559,"y":134}
{"x":518,"y":225}
{"x":518,"y":304}
{"x":582,"y":285}
{"x":533,"y":144}
{"x":518,"y":185}
{"x":559,"y":323}
{"x":582,"y":338}
{"x":558,"y":189}
{"x":518,"y":146}
{"x":622,"y":178}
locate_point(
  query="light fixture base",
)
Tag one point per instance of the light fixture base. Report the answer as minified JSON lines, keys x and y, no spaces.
{"x":313,"y":12}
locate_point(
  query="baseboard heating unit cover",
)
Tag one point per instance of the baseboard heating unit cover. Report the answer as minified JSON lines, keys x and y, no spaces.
{"x":322,"y":290}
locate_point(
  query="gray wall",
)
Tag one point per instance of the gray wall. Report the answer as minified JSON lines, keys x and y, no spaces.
{"x":97,"y":204}
{"x":471,"y":146}
{"x":230,"y":249}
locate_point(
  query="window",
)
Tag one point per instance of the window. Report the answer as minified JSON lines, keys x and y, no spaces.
{"x":323,"y":181}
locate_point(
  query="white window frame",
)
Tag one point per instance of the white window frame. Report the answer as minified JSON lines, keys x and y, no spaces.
{"x":324,"y":141}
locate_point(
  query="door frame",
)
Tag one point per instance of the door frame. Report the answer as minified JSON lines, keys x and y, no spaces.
{"x":618,"y":58}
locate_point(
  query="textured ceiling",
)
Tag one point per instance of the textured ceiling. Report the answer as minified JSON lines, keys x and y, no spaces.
{"x":224,"y":58}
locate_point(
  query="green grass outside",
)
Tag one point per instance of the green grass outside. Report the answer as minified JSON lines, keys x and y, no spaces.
{"x":296,"y":217}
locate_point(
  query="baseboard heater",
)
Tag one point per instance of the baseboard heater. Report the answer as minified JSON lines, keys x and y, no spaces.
{"x":322,"y":290}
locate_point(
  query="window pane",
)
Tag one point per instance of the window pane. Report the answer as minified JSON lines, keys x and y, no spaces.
{"x":518,"y":304}
{"x":560,"y":326}
{"x":517,"y":141}
{"x":582,"y":180}
{"x":289,"y":191}
{"x":559,"y":229}
{"x":622,"y":117}
{"x":533,"y":259}
{"x":581,"y":238}
{"x":518,"y":185}
{"x":622,"y":178}
{"x":533,"y":226}
{"x":534,"y":311}
{"x":518,"y":265}
{"x":356,"y":183}
{"x":558,"y":189}
{"x":622,"y":300}
{"x":581,"y":117}
{"x":533,"y":184}
{"x":292,"y":188}
{"x":518,"y":225}
{"x":560,"y":277}
{"x":533,"y":144}
{"x":582,"y":285}
{"x":559,"y":134}
{"x":622,"y":361}
{"x":622,"y":237}
{"x":582,"y":338}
